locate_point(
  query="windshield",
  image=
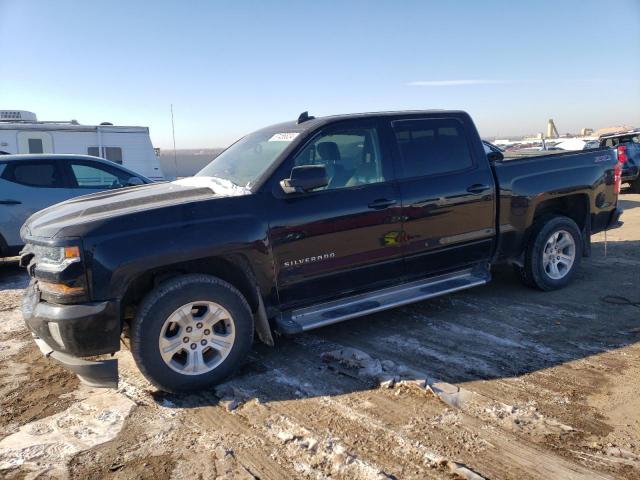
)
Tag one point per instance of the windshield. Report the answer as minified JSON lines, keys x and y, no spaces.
{"x":244,"y":161}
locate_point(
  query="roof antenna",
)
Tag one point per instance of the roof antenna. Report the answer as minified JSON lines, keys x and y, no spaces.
{"x":304,"y":116}
{"x":173,"y":133}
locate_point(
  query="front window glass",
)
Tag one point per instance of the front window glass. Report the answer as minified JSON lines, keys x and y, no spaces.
{"x":244,"y":161}
{"x":91,"y":177}
{"x":351,"y":156}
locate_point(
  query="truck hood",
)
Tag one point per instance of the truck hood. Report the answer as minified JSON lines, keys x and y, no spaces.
{"x":113,"y":203}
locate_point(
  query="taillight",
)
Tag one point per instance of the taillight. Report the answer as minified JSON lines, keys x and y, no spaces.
{"x":622,"y":154}
{"x":617,"y":177}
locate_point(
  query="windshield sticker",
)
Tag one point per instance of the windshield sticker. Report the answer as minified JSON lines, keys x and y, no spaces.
{"x":283,"y":137}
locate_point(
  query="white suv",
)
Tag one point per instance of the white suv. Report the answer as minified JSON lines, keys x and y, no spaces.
{"x":29,"y":183}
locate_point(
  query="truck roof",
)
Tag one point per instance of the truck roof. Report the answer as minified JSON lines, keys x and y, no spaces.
{"x":313,"y":122}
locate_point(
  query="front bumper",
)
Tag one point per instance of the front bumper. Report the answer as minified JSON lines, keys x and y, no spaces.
{"x":614,"y":220}
{"x":102,"y":373}
{"x":67,"y":332}
{"x":630,"y":174}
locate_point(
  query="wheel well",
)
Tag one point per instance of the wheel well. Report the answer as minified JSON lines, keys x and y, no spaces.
{"x":234,"y":270}
{"x":575,"y":207}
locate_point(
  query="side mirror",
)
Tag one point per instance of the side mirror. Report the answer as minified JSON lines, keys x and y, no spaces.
{"x":305,"y":178}
{"x":495,"y":156}
{"x":134,"y":181}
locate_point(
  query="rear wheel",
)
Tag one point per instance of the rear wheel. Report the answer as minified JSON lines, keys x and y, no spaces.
{"x":552,"y":255}
{"x":191,"y":332}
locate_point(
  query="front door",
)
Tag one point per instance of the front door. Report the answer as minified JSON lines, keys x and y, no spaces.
{"x":342,"y":238}
{"x":448,"y":196}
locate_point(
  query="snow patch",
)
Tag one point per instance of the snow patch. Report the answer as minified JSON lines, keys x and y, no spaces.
{"x":301,"y":444}
{"x":46,"y":445}
{"x":390,"y":374}
{"x":219,"y":186}
{"x":11,"y":323}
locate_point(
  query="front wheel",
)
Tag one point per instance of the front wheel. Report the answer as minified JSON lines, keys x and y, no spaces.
{"x":191,"y":332}
{"x":553,"y":254}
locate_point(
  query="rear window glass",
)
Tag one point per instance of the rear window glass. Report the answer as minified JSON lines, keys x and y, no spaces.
{"x":615,"y":141}
{"x":34,"y":174}
{"x":431,"y":147}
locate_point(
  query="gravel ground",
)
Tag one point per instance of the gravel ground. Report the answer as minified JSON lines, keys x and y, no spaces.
{"x":495,"y":382}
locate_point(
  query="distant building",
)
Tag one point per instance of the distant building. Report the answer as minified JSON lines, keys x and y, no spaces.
{"x":614,"y":129}
{"x":552,"y":131}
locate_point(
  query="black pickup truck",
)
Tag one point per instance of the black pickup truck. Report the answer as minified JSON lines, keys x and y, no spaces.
{"x":297,"y":226}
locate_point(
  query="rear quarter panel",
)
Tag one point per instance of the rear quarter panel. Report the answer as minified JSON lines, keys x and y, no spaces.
{"x":526,"y":183}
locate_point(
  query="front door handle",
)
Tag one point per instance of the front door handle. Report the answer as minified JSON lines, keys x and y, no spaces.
{"x":10,"y":202}
{"x":381,"y":203}
{"x":478,"y":188}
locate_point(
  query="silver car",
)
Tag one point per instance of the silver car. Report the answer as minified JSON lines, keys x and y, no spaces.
{"x":29,"y":183}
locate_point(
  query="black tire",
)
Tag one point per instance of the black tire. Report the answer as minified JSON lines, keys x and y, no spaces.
{"x":165,"y":299}
{"x":634,"y":187}
{"x":533,"y":273}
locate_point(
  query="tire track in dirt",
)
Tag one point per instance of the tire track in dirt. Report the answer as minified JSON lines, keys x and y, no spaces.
{"x":520,"y":451}
{"x":390,"y":439}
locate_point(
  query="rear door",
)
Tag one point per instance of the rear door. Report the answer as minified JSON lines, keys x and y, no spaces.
{"x":26,"y":187}
{"x":342,"y":238}
{"x":448,"y":196}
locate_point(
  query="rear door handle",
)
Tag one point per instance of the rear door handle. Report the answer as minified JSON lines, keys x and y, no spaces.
{"x":381,"y":203}
{"x":10,"y":202}
{"x":478,"y":188}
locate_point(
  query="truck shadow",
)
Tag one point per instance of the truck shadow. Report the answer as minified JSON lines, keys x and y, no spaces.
{"x":627,"y":204}
{"x":12,"y":276}
{"x":497,"y":331}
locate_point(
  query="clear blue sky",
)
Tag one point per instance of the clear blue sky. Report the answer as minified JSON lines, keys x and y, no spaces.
{"x":231,"y":67}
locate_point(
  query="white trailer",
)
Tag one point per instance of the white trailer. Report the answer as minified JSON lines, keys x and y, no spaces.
{"x":21,"y":132}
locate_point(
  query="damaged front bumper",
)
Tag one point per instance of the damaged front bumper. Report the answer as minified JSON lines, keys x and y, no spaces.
{"x":95,"y":373}
{"x":65,"y":333}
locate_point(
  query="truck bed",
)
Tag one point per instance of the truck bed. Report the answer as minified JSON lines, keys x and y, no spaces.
{"x":527,"y":184}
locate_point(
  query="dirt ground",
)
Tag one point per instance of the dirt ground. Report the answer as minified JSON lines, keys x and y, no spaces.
{"x":495,"y":382}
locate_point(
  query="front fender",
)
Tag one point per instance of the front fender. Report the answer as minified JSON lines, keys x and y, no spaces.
{"x":116,"y":259}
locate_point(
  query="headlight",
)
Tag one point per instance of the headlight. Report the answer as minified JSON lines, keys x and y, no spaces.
{"x":60,"y":290}
{"x":58,"y":270}
{"x":54,"y":259}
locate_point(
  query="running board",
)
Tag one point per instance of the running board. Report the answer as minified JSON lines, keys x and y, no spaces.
{"x":315,"y":316}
